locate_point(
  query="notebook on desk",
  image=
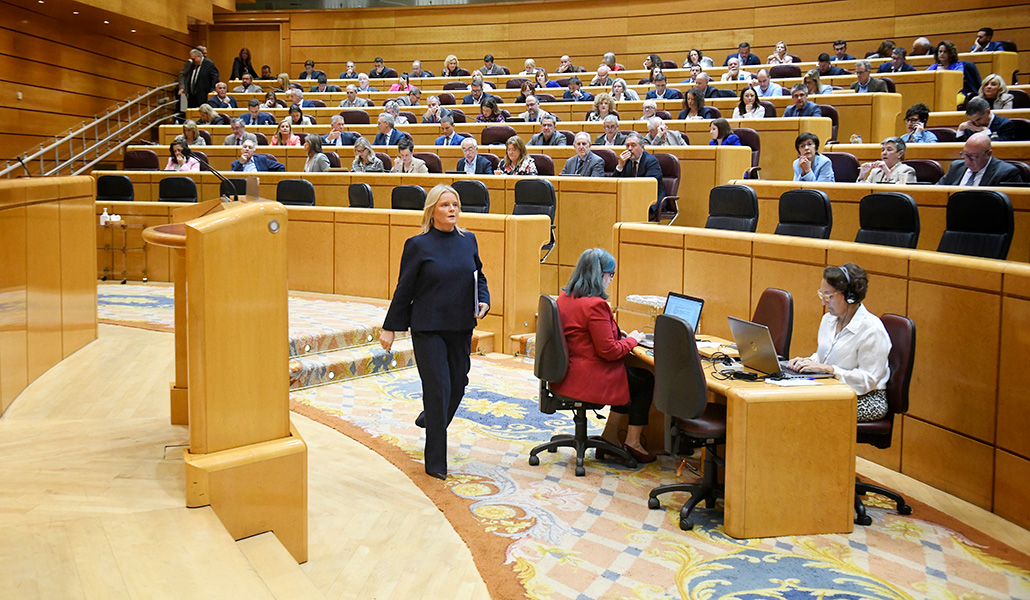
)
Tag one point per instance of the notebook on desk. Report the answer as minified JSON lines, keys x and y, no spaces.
{"x":685,"y":307}
{"x":757,"y":351}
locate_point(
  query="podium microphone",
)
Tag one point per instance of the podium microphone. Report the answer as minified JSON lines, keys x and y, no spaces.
{"x":187,"y":152}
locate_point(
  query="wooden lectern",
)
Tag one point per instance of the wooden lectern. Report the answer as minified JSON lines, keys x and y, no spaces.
{"x":231,"y":384}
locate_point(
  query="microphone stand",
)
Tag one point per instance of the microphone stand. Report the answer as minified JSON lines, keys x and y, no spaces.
{"x":187,"y":152}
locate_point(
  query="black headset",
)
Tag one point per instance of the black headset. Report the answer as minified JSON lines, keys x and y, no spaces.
{"x":849,"y":295}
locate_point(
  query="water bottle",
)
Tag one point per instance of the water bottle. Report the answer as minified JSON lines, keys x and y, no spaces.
{"x":104,"y":218}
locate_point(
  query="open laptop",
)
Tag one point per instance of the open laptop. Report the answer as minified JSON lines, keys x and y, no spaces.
{"x":685,"y":307}
{"x":757,"y":352}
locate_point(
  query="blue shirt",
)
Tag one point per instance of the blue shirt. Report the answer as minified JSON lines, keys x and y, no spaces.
{"x":923,"y":137}
{"x":822,"y":170}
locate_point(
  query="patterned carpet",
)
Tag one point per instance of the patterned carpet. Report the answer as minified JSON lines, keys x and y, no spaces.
{"x":542,"y":533}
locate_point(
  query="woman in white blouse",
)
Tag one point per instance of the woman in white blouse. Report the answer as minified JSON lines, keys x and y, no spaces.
{"x":853,"y":343}
{"x":750,"y":107}
{"x":621,"y":91}
{"x":889,"y":169}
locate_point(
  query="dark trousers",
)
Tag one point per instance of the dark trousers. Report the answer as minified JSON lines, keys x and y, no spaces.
{"x":443,"y":362}
{"x":641,"y":391}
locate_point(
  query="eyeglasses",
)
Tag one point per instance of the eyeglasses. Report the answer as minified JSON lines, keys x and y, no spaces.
{"x":913,"y":120}
{"x":824,"y":296}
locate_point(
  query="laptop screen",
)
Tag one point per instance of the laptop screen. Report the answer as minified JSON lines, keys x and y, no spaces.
{"x":685,"y":307}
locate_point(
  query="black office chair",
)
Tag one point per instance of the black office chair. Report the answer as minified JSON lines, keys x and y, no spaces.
{"x":927,"y":170}
{"x":537,"y":197}
{"x":888,"y":219}
{"x":235,"y":184}
{"x":177,"y":189}
{"x":805,"y":213}
{"x":902,"y":332}
{"x":979,"y":223}
{"x":359,"y":195}
{"x":115,"y":188}
{"x":408,"y":197}
{"x":681,"y":393}
{"x":295,"y":192}
{"x":550,"y":365}
{"x":775,"y":310}
{"x":474,"y":196}
{"x":733,"y":208}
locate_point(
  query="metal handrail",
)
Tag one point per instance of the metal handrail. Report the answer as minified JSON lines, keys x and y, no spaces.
{"x":82,"y":148}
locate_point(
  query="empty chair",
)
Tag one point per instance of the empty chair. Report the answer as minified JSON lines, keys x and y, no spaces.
{"x":681,"y":393}
{"x":784,"y":71}
{"x":317,"y":104}
{"x":447,"y":99}
{"x":455,"y":85}
{"x":714,"y":112}
{"x":207,"y":136}
{"x":458,"y":115}
{"x":979,"y":223}
{"x":387,"y":161}
{"x":334,"y":159}
{"x":750,"y":138}
{"x":845,"y":166}
{"x":537,"y":197}
{"x":410,"y":116}
{"x":302,"y":135}
{"x":770,"y":109}
{"x":496,"y":134}
{"x":177,"y":189}
{"x":142,"y":159}
{"x":775,"y":310}
{"x":570,"y":137}
{"x":354,"y":116}
{"x":668,"y":208}
{"x":515,"y":83}
{"x":359,"y":195}
{"x":202,"y":158}
{"x":888,"y":219}
{"x":235,"y":185}
{"x":732,"y":207}
{"x":927,"y":170}
{"x":432,"y":161}
{"x":831,"y":113}
{"x":544,"y":97}
{"x":805,"y":213}
{"x":664,"y":114}
{"x":261,"y":138}
{"x":408,"y":197}
{"x":544,"y":164}
{"x":115,"y":188}
{"x":944,"y":134}
{"x":1020,"y":129}
{"x":495,"y":163}
{"x":474,"y":196}
{"x":295,"y":192}
{"x":611,"y":160}
{"x":1020,"y":99}
{"x":1024,"y":169}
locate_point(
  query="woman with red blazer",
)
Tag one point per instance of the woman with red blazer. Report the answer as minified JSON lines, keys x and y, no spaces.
{"x":596,"y":373}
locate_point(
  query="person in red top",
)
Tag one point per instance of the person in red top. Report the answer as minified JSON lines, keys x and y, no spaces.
{"x":596,"y":373}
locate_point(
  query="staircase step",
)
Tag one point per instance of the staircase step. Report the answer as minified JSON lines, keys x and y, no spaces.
{"x":348,"y":363}
{"x":524,"y":344}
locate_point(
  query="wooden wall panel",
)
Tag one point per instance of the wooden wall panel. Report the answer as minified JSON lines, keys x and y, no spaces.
{"x":948,"y":461}
{"x":78,"y":261}
{"x":44,"y":287}
{"x":1012,"y":487}
{"x":13,"y":307}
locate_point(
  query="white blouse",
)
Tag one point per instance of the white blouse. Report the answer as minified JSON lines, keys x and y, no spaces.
{"x":859,"y":354}
{"x":757,"y":112}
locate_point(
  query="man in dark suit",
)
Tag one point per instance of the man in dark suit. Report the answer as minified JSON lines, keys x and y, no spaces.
{"x":310,"y":72}
{"x":387,"y":136}
{"x":323,"y":86}
{"x":575,"y":92}
{"x":379,"y":70}
{"x":744,"y":54}
{"x":585,"y":163}
{"x":866,"y":84}
{"x":701,"y":83}
{"x":296,"y":96}
{"x":449,"y":137}
{"x":477,"y":96}
{"x":248,"y":161}
{"x":661,"y":90}
{"x":983,"y":41}
{"x":840,"y":51}
{"x":897,"y":63}
{"x":827,"y":70}
{"x":254,"y":116}
{"x":634,"y":162}
{"x":221,"y":99}
{"x":197,"y":79}
{"x":981,"y":118}
{"x":337,"y":136}
{"x":611,"y":136}
{"x":548,"y":136}
{"x":472,"y":163}
{"x":239,"y":134}
{"x":802,"y":107}
{"x":978,"y":167}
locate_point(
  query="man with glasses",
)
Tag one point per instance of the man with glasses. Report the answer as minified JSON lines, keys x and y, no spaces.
{"x":866,"y":84}
{"x":533,"y":112}
{"x":547,"y":136}
{"x":898,"y":64}
{"x":978,"y":167}
{"x":478,"y":96}
{"x":980,"y":118}
{"x":611,"y":136}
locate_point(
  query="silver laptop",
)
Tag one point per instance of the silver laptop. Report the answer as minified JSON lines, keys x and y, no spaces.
{"x":757,"y":352}
{"x":685,"y":307}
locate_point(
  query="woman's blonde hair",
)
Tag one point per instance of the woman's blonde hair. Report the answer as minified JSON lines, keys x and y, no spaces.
{"x":431,"y":201}
{"x":206,"y":110}
{"x":191,"y":125}
{"x":279,"y":133}
{"x":604,"y":96}
{"x":813,"y":74}
{"x":285,"y":77}
{"x":1002,"y":86}
{"x":447,"y":62}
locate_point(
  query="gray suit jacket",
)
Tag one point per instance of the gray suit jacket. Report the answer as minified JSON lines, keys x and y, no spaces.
{"x":620,"y":140}
{"x":591,"y":166}
{"x":875,"y":85}
{"x":230,"y":140}
{"x":998,"y":172}
{"x":557,"y":139}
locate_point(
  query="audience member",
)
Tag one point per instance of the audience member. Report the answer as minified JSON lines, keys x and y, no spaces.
{"x":603,"y":106}
{"x":191,"y":134}
{"x":565,"y":65}
{"x":284,"y":135}
{"x":254,"y":116}
{"x":980,"y":118}
{"x":701,"y":83}
{"x":248,"y":161}
{"x":364,"y":83}
{"x":622,"y":92}
{"x":585,"y":163}
{"x":471,"y":162}
{"x":653,"y":60}
{"x":866,"y":84}
{"x":270,"y":100}
{"x":840,"y":51}
{"x":609,"y":60}
{"x":915,"y":120}
{"x":337,"y":136}
{"x":516,"y":160}
{"x":744,"y":54}
{"x":177,"y":160}
{"x":694,"y":106}
{"x":897,"y":63}
{"x":435,"y":112}
{"x":695,"y":57}
{"x":978,"y":166}
{"x":417,"y":71}
{"x":767,"y":88}
{"x":282,"y":82}
{"x":695,"y":70}
{"x":297,"y":116}
{"x":197,"y":79}
{"x":533,"y":112}
{"x":208,"y":116}
{"x":323,"y":87}
{"x":802,"y":107}
{"x":247,"y":85}
{"x":365,"y":159}
{"x":449,"y":137}
{"x":406,"y":162}
{"x":734,"y":73}
{"x":575,"y":93}
{"x":379,"y":70}
{"x":661,"y":90}
{"x":654,"y":72}
{"x":889,"y":169}
{"x":296,"y":96}
{"x":451,"y":68}
{"x":490,"y":111}
{"x":266,"y":73}
{"x":884,"y":51}
{"x":529,"y":68}
{"x":749,"y":107}
{"x":528,"y":89}
{"x":722,"y":134}
{"x":611,"y":136}
{"x":317,"y":161}
{"x":353,"y":100}
{"x":239,"y":134}
{"x":387,"y":136}
{"x":241,"y":64}
{"x":815,"y":85}
{"x":393,"y":109}
{"x":411,"y":98}
{"x":659,"y":134}
{"x":650,"y":109}
{"x":477,"y":95}
{"x":489,"y":68}
{"x":635,"y":162}
{"x":543,"y":81}
{"x":983,"y":41}
{"x":996,"y":92}
{"x":828,"y":70}
{"x":310,"y":72}
{"x":221,"y":99}
{"x":351,"y":72}
{"x":779,"y":55}
{"x":922,"y":47}
{"x":548,"y":136}
{"x":810,"y":164}
{"x":947,"y":59}
{"x":602,"y":79}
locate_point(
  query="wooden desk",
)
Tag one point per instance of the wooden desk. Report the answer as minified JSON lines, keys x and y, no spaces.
{"x":790,"y":455}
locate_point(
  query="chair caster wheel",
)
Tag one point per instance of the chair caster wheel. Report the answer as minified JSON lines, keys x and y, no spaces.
{"x":631,"y":463}
{"x":864,"y":520}
{"x":904,"y":509}
{"x":581,"y":471}
{"x":686,"y":524}
{"x":653,"y":503}
{"x":534,"y":460}
{"x":710,"y":503}
{"x":552,"y":450}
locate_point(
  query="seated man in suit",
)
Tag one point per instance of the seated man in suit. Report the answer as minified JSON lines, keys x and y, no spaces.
{"x":310,"y":72}
{"x":473,"y":163}
{"x":296,"y":96}
{"x":489,"y":68}
{"x":575,"y":93}
{"x":650,"y":109}
{"x":866,"y":84}
{"x":248,"y":161}
{"x":221,"y":99}
{"x":658,"y":134}
{"x":602,"y":77}
{"x":840,"y":51}
{"x":766,"y":87}
{"x":387,"y":136}
{"x":379,"y":71}
{"x":239,"y":134}
{"x":898,"y":64}
{"x":661,"y":90}
{"x":744,"y":54}
{"x":323,"y":86}
{"x":922,"y":47}
{"x":701,"y":83}
{"x":547,"y":136}
{"x":254,"y":116}
{"x":826,"y":69}
{"x":634,"y":162}
{"x":418,"y":71}
{"x":247,"y":86}
{"x":353,"y":100}
{"x":802,"y":107}
{"x":695,"y":70}
{"x":983,"y":41}
{"x":449,"y":137}
{"x":337,"y":136}
{"x":435,"y":113}
{"x":565,"y":65}
{"x":982,"y":119}
{"x":611,"y":136}
{"x":477,"y":96}
{"x":266,"y":73}
{"x":363,"y":84}
{"x":533,"y":112}
{"x":585,"y":163}
{"x":978,"y":167}
{"x":351,"y":72}
{"x":411,"y":98}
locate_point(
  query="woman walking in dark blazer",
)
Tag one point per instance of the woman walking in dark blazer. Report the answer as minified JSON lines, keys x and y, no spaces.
{"x":441,"y":291}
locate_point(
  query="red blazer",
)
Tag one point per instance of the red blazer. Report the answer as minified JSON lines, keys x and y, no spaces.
{"x":596,"y":349}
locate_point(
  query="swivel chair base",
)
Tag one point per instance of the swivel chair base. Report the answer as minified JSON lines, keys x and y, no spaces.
{"x":861,"y":489}
{"x":706,"y":489}
{"x":581,"y":442}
